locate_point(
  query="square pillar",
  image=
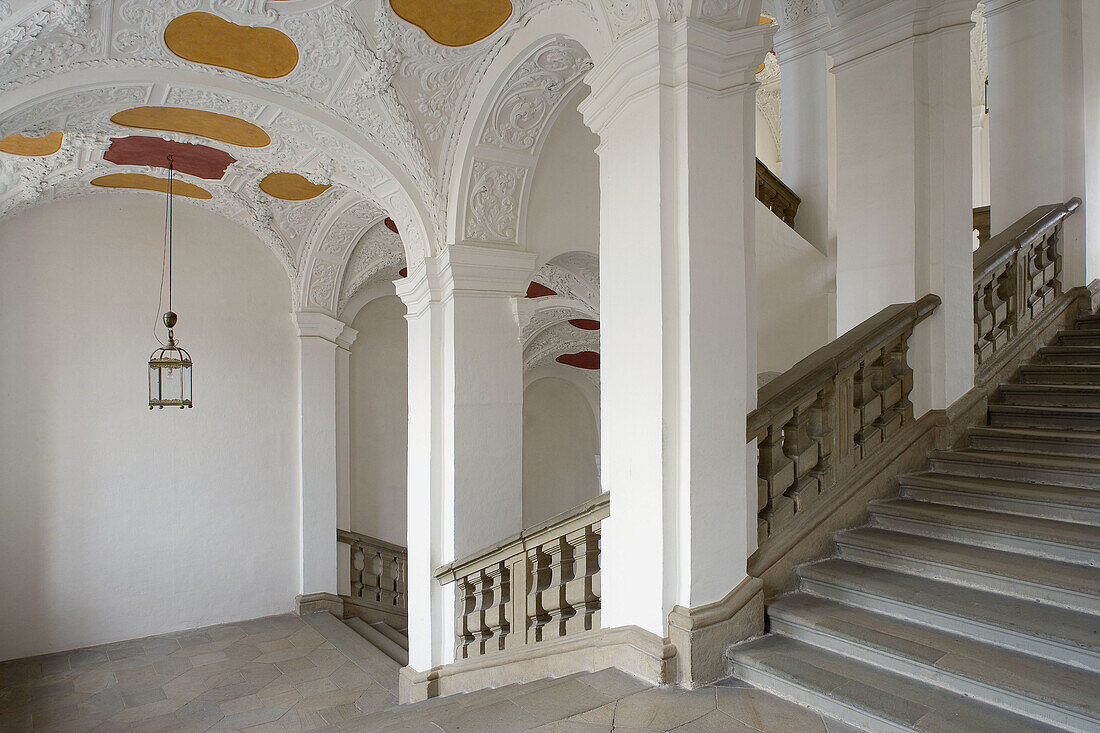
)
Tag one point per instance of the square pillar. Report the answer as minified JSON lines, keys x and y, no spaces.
{"x":1037,"y":116}
{"x":904,"y":187}
{"x":674,"y":106}
{"x":465,"y":475}
{"x":319,"y":339}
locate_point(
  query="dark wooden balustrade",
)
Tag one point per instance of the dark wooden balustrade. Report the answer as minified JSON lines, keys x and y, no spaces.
{"x":775,"y":194}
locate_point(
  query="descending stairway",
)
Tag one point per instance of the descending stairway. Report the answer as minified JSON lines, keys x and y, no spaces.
{"x":972,"y":601}
{"x":377,"y":648}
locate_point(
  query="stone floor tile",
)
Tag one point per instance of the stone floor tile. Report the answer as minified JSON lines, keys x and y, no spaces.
{"x":340,"y":714}
{"x":94,"y":680}
{"x":374,"y":698}
{"x":327,"y":700}
{"x":605,"y":714}
{"x":767,"y":712}
{"x":662,"y":709}
{"x":193,"y":638}
{"x":250,"y":718}
{"x":614,"y":683}
{"x":135,"y":699}
{"x":167,"y":723}
{"x":501,"y":717}
{"x":200,"y":660}
{"x":835,"y":726}
{"x":348,"y":676}
{"x":243,"y":651}
{"x":200,"y":714}
{"x":172,"y":666}
{"x":107,"y":704}
{"x":561,"y":700}
{"x":287,"y":666}
{"x":15,"y":722}
{"x":84,"y":659}
{"x":274,"y":645}
{"x":282,"y":655}
{"x":573,"y":726}
{"x":718,"y":722}
{"x":125,"y":652}
{"x":110,"y":726}
{"x":317,"y":687}
{"x":145,"y":712}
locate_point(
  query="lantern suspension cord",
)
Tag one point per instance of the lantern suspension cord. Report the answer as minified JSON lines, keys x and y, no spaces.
{"x":171,"y":172}
{"x":166,"y":254}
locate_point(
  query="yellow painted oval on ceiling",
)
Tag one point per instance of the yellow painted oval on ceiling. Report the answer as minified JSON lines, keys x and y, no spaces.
{"x":48,"y":144}
{"x":208,"y":39}
{"x":142,"y":182}
{"x":454,"y":22}
{"x":228,"y":129}
{"x":291,"y":187}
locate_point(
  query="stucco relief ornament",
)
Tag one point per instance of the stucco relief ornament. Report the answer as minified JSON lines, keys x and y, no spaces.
{"x":625,"y":15}
{"x":493,"y":212}
{"x":322,"y":283}
{"x":793,"y":11}
{"x":524,"y":107}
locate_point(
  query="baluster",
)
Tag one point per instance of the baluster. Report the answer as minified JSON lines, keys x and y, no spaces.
{"x":983,"y":322}
{"x":468,"y":618}
{"x":495,"y":627}
{"x":376,"y":567}
{"x":821,"y":430}
{"x":358,"y":563}
{"x":804,"y":452}
{"x":867,"y":406}
{"x":552,"y":599}
{"x":777,"y":471}
{"x":582,"y":592}
{"x":540,"y":574}
{"x":889,"y":388}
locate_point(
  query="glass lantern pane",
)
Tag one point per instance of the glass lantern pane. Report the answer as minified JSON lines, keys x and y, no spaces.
{"x":154,"y":384}
{"x":172,"y":384}
{"x":187,"y":384}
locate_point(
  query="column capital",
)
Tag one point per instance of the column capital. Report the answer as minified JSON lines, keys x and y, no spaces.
{"x":862,"y":28}
{"x":801,"y":32}
{"x":311,"y":324}
{"x":686,"y":52}
{"x":464,"y":268}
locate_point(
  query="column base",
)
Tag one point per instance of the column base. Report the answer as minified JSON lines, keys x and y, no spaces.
{"x":701,"y":635}
{"x":318,"y":602}
{"x":630,"y":649}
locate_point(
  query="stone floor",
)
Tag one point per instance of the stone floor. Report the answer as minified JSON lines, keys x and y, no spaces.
{"x":278,"y":674}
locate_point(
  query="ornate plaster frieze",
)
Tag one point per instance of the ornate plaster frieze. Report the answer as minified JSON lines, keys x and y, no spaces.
{"x":492,"y":212}
{"x":792,"y":12}
{"x":574,"y":275}
{"x":378,"y":254}
{"x":560,"y":338}
{"x":979,"y":56}
{"x":23,"y":24}
{"x":624,"y":16}
{"x":769,"y":100}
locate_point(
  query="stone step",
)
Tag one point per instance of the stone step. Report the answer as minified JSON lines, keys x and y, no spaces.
{"x":1069,"y":355}
{"x":1040,"y":373}
{"x":1029,"y":467}
{"x":401,"y":639}
{"x":1063,"y":503}
{"x":1036,"y":440}
{"x":369,"y":658}
{"x":1054,"y":540}
{"x":1019,"y":624}
{"x":381,"y":641}
{"x":1040,"y":579}
{"x":864,"y":695}
{"x":1080,"y":336}
{"x":1055,"y":418}
{"x":1050,"y":395}
{"x":1044,"y":690}
{"x":1088,"y":320}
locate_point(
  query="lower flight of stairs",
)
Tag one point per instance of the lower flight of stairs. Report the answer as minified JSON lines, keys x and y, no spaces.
{"x":376,"y":647}
{"x":972,"y":601}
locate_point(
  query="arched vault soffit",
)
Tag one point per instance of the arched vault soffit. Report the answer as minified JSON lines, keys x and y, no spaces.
{"x":334,"y":119}
{"x":561,"y":314}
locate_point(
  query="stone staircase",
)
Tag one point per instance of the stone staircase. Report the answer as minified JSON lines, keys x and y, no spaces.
{"x":376,"y":647}
{"x":971,"y":602}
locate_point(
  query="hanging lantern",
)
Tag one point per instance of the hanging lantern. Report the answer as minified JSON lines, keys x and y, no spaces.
{"x":170,"y":365}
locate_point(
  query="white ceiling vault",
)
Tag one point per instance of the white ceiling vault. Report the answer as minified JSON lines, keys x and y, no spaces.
{"x":374,"y":108}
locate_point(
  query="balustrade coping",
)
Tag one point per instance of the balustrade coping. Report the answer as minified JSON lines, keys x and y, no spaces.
{"x":579,"y":516}
{"x":349,"y":538}
{"x":995,"y":252}
{"x":810,"y":374}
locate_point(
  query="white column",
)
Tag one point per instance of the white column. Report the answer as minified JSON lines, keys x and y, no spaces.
{"x":318,"y":335}
{"x":465,"y":425}
{"x":1090,"y":44}
{"x":904,"y":186}
{"x":343,"y":454}
{"x":1036,"y":115}
{"x":673,"y":105}
{"x":805,"y":100}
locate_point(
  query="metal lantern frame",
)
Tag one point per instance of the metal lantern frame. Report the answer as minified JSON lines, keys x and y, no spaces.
{"x":167,"y":389}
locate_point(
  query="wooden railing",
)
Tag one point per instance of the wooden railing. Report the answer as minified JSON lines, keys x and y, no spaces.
{"x":827,"y":414}
{"x":1016,"y":275}
{"x":378,"y":571}
{"x":982,"y":223}
{"x":540,"y":584}
{"x":774,"y":194}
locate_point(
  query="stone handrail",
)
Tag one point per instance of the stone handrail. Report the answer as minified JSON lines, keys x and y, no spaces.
{"x":982,"y":223}
{"x":823,"y":417}
{"x":379,"y":570}
{"x":1016,"y":275}
{"x":539,"y":584}
{"x":775,"y":194}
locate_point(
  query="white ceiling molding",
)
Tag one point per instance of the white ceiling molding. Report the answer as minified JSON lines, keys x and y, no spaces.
{"x":546,"y":332}
{"x":377,"y":256}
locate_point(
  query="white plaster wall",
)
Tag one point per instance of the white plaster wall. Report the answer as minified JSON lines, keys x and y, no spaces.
{"x":560,"y":444}
{"x":767,"y":149}
{"x":563,"y":211}
{"x":379,"y":416}
{"x":116,"y":521}
{"x":792,"y":294}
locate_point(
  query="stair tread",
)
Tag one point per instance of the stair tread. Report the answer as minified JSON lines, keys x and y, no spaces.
{"x":1037,"y":570}
{"x":380,"y":641}
{"x":1024,"y":675}
{"x":1032,"y":387}
{"x":1011,"y":613}
{"x":1019,"y":458}
{"x":1039,"y":493}
{"x":1050,"y":530}
{"x":1044,"y":434}
{"x":1066,"y":409}
{"x":901,"y":701}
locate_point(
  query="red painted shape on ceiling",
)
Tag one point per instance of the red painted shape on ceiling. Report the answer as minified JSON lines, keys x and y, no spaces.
{"x":196,"y":160}
{"x":403,"y":272}
{"x":390,"y":225}
{"x":538,"y":290}
{"x":581,"y":360}
{"x":585,"y":324}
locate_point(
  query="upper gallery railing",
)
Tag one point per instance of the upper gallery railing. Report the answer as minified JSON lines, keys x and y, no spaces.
{"x":827,"y":414}
{"x":540,"y":584}
{"x":1016,"y":275}
{"x":774,"y":194}
{"x":378,"y":570}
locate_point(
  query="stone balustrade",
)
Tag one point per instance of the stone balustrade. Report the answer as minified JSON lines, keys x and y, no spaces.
{"x":379,"y":571}
{"x":540,"y":584}
{"x":775,"y":194}
{"x":1017,"y":274}
{"x":982,"y":223}
{"x":823,"y":417}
